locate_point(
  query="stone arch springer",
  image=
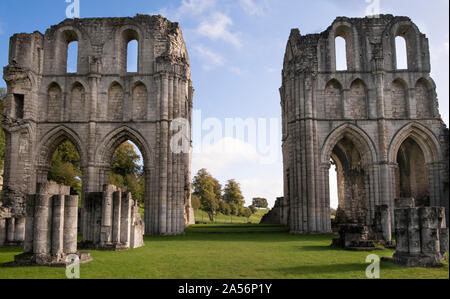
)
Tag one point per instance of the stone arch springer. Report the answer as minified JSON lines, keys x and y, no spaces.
{"x":426,"y":140}
{"x":361,"y":140}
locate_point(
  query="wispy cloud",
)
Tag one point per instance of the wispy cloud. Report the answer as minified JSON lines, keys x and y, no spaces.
{"x":216,"y":27}
{"x":209,"y":58}
{"x":251,"y":8}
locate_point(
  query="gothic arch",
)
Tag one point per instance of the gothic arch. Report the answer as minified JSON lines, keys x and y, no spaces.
{"x":52,"y":139}
{"x":426,"y":140}
{"x":361,"y":140}
{"x":114,"y":139}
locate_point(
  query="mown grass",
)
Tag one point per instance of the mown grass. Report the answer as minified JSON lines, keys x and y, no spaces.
{"x":202,"y":217}
{"x":201,"y":254}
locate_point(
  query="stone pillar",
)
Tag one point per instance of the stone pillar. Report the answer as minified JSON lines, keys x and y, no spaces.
{"x":421,"y":233}
{"x":2,"y":232}
{"x":70,"y":239}
{"x":10,"y":229}
{"x":107,"y":216}
{"x":29,"y":225}
{"x":19,"y":234}
{"x":57,"y":228}
{"x":125,"y":219}
{"x":117,"y":205}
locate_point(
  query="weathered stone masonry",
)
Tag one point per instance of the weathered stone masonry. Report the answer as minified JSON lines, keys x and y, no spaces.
{"x":379,"y":125}
{"x":98,"y":108}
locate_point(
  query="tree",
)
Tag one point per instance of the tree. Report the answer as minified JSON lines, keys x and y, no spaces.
{"x":253,"y":209}
{"x":206,"y":188}
{"x":195,"y":201}
{"x":233,"y":194}
{"x":260,"y":203}
{"x":126,"y":161}
{"x":247,"y":213}
{"x":224,"y":208}
{"x":127,"y":173}
{"x":65,"y":167}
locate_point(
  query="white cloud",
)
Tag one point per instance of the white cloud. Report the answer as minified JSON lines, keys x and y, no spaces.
{"x":188,"y":8}
{"x":230,"y":158}
{"x":195,"y":7}
{"x":215,"y":27}
{"x":210,"y":59}
{"x":225,"y":153}
{"x":236,"y":70}
{"x":251,"y":8}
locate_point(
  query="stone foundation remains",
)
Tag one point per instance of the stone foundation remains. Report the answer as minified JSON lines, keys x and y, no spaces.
{"x":12,"y":229}
{"x":112,"y":221}
{"x":51,"y":227}
{"x":421,"y":234}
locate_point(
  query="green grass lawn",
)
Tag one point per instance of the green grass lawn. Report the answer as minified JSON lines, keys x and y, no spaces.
{"x":201,"y":254}
{"x":202,"y":217}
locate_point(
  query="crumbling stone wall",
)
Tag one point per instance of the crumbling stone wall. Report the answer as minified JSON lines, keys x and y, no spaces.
{"x":421,"y":235}
{"x":112,"y":220}
{"x":98,"y":108}
{"x":51,"y":225}
{"x":373,"y":105}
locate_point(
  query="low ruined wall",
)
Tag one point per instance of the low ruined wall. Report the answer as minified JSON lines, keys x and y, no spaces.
{"x":51,"y":225}
{"x":112,"y":220}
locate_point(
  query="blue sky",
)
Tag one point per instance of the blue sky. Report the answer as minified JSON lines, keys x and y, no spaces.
{"x":236,"y":49}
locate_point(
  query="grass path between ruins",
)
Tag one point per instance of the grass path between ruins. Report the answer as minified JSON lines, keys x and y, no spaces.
{"x":238,"y":252}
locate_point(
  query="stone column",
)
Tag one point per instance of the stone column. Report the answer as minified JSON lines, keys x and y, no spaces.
{"x":70,"y":239}
{"x":57,"y":228}
{"x":126,"y":219}
{"x":29,"y":224}
{"x":107,"y":216}
{"x":2,"y":231}
{"x":19,"y":233}
{"x":10,"y":229}
{"x":117,"y":205}
{"x":42,"y":222}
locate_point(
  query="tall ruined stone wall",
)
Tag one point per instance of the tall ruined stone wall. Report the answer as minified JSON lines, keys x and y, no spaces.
{"x":372,"y":104}
{"x":99,"y":107}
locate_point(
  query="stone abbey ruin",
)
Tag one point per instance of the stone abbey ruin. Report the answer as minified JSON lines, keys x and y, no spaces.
{"x":379,"y":125}
{"x":97,"y":108}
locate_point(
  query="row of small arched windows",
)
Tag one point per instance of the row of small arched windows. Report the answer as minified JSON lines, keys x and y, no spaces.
{"x":132,"y":55}
{"x":341,"y":53}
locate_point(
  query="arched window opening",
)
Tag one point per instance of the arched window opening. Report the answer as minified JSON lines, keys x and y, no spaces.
{"x":127,"y":172}
{"x":341,"y":54}
{"x":334,"y":195}
{"x":401,"y":53}
{"x":72,"y":57}
{"x":412,"y":176}
{"x":65,"y":167}
{"x":132,"y":56}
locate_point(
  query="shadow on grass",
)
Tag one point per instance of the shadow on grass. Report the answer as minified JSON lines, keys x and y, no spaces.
{"x":317,"y":270}
{"x":11,"y":249}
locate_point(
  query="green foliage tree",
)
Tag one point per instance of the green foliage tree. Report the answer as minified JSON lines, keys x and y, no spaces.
{"x":253,"y":209}
{"x":207,"y":189}
{"x":260,"y":203}
{"x":224,"y":208}
{"x":195,"y":201}
{"x":127,"y":173}
{"x":65,"y":167}
{"x":247,"y":213}
{"x":125,"y":160}
{"x":233,"y":194}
